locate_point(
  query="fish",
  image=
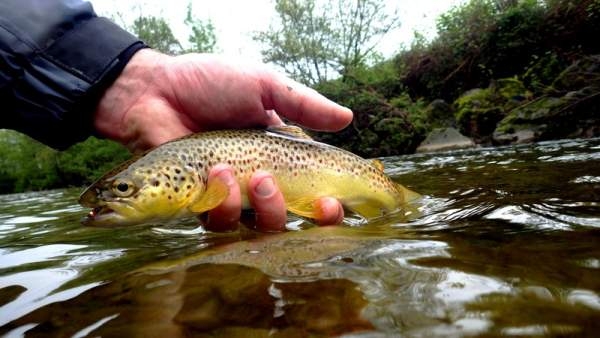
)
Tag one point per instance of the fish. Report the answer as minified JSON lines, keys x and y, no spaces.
{"x":170,"y":181}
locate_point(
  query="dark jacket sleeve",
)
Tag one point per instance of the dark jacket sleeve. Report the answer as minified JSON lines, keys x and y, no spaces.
{"x":56,"y":59}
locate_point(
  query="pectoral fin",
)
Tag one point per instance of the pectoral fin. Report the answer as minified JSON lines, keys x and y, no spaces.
{"x":216,"y":192}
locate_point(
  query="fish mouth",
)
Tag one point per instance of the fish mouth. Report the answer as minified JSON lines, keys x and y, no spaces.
{"x":116,"y":213}
{"x":98,"y":211}
{"x":105,"y":216}
{"x":97,"y":215}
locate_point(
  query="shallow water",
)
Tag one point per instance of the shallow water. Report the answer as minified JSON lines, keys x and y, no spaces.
{"x":506,"y":241}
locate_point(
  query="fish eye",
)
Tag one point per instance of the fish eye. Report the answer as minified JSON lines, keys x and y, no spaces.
{"x":123,"y":188}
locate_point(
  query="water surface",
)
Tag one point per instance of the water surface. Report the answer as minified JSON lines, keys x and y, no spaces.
{"x":506,"y":241}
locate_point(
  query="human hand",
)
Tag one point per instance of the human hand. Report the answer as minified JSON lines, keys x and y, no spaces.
{"x":158,"y":98}
{"x":267,"y":202}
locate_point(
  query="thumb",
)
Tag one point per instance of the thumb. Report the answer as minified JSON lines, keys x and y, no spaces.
{"x":152,"y":124}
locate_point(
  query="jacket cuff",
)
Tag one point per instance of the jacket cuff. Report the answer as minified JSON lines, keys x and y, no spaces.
{"x":93,"y":54}
{"x":94,"y":49}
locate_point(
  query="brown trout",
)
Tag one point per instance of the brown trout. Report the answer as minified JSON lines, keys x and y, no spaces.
{"x":170,"y":181}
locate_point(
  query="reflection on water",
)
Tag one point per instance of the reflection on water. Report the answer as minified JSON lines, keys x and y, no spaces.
{"x":507,"y":243}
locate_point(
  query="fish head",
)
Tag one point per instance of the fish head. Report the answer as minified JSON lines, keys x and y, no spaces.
{"x":137,"y":195}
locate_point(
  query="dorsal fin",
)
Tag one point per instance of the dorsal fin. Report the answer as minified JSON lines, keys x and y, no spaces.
{"x":288,"y":130}
{"x":378,"y":164}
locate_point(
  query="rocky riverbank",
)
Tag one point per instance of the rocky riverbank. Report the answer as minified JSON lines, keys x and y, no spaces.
{"x":505,"y":112}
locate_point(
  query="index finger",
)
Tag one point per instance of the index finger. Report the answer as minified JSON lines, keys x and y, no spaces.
{"x":303,"y":105}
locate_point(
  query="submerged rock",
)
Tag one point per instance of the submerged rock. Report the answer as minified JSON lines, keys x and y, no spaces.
{"x":445,"y":139}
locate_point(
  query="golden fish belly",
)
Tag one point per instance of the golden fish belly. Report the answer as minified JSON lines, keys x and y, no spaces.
{"x":303,"y":169}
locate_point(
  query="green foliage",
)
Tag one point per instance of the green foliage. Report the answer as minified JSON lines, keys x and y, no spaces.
{"x":86,"y":161}
{"x":202,"y":38}
{"x":381,"y":127}
{"x":315,"y":41}
{"x":157,"y":33}
{"x":485,"y":39}
{"x":26,"y":164}
{"x":542,"y":71}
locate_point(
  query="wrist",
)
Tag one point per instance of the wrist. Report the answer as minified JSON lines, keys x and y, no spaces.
{"x":110,"y":117}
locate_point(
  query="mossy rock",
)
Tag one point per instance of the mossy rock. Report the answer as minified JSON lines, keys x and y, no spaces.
{"x":534,"y":113}
{"x":477,"y":112}
{"x":439,"y":114}
{"x":511,"y":90}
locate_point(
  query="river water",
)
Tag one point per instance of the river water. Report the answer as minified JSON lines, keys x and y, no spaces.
{"x":506,"y":241}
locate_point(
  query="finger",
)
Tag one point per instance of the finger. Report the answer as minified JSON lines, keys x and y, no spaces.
{"x":272,"y":119}
{"x":226,"y":216}
{"x":267,"y":201}
{"x":330,"y":211}
{"x":303,"y":105}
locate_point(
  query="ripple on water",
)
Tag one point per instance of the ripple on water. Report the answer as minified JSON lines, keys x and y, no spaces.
{"x":28,"y":219}
{"x":586,"y":179}
{"x":519,"y":215}
{"x":40,"y":288}
{"x":416,"y":299}
{"x":43,"y":253}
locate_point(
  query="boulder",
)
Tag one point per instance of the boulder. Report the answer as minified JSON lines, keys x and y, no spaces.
{"x":479,"y":110}
{"x":445,"y":139}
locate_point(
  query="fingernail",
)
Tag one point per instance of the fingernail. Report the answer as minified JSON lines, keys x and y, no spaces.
{"x":226,"y":176}
{"x":266,"y":187}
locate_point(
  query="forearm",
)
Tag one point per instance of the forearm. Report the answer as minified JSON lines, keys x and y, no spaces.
{"x":56,"y":60}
